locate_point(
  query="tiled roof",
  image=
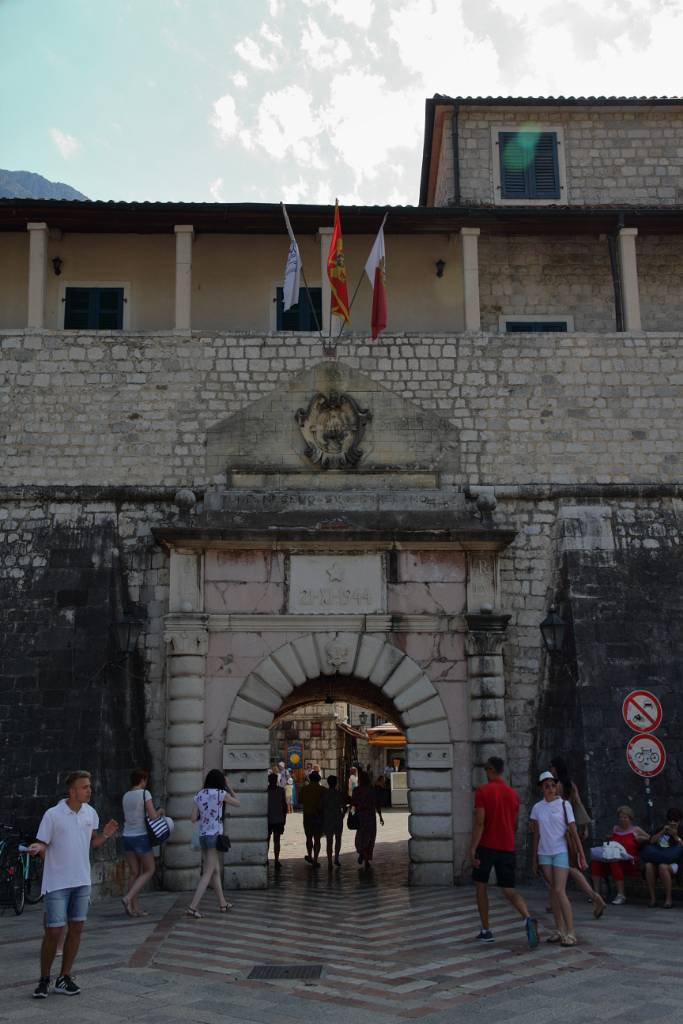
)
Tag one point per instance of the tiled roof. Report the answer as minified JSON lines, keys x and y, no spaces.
{"x":559,"y":101}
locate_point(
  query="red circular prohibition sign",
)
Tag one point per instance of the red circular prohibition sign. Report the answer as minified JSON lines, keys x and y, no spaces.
{"x":646,"y":755}
{"x":642,"y":711}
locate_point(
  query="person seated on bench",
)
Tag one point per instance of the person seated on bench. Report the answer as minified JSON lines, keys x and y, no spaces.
{"x":663,"y":856}
{"x":631,"y":838}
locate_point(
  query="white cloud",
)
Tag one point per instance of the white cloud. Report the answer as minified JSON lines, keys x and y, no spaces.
{"x":353,"y":12}
{"x":365,"y":120}
{"x":66,"y":144}
{"x":274,"y":7}
{"x":250,"y":52}
{"x":433,"y":42}
{"x":287,"y":123}
{"x":224,"y":118}
{"x":296,"y":192}
{"x":321,"y":50}
{"x":271,"y":37}
{"x":216,"y":190}
{"x":240,"y":80}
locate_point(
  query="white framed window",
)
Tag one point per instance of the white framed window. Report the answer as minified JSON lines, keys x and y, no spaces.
{"x":529,"y":167}
{"x":513,"y":323}
{"x":94,"y":305}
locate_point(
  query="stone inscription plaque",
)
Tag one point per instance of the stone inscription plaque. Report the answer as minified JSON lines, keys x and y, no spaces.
{"x":330,"y":585}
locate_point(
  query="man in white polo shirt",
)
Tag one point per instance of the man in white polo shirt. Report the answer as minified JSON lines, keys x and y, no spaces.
{"x":66,"y":834}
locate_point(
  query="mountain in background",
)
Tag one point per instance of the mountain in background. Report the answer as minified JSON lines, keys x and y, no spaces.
{"x":26,"y":185}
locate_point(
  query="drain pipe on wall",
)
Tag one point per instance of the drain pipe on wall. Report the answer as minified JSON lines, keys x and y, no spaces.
{"x":456,"y":154}
{"x":612,"y":241}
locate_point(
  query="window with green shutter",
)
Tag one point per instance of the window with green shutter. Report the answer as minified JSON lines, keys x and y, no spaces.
{"x":93,"y":309}
{"x":529,"y":167}
{"x":306,"y":315}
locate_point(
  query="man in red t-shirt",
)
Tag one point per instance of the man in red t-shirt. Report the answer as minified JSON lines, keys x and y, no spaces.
{"x":496,"y":806}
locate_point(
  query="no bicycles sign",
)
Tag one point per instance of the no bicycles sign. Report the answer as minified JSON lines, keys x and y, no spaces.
{"x":642,"y":711}
{"x":646,"y":755}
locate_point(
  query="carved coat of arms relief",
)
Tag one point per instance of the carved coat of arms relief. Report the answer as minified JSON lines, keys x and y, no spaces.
{"x":332,"y":427}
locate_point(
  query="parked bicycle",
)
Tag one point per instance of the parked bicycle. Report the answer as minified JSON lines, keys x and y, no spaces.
{"x":12,"y":891}
{"x":32,"y":870}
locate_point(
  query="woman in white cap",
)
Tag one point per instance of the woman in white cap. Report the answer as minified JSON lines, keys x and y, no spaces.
{"x":551,"y":819}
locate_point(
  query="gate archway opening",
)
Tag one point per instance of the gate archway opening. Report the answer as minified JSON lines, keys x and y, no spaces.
{"x":373,"y":673}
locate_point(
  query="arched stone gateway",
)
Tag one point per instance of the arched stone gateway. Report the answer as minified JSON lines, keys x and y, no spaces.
{"x":389,"y":677}
{"x":379,"y":570}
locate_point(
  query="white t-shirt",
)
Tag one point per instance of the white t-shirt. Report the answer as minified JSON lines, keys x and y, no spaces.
{"x":67,"y":835}
{"x":549,"y":816}
{"x":134,"y":811}
{"x":210,"y":803}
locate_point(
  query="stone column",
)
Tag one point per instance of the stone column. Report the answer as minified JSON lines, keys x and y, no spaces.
{"x":469,"y":243}
{"x":325,"y":237}
{"x":484,"y":647}
{"x":184,"y":236}
{"x":37,"y":273}
{"x":187,"y":637}
{"x":630,"y":296}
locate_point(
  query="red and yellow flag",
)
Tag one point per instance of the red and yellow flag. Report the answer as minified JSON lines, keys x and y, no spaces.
{"x":336,"y":271}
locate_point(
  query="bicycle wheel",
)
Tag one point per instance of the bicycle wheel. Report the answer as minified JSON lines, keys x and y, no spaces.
{"x":15,"y":878}
{"x":34,"y":881}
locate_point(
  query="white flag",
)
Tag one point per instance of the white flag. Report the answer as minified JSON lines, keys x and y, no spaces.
{"x":377,"y":257}
{"x":290,"y":287}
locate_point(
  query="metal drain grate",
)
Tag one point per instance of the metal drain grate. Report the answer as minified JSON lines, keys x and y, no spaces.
{"x":268,"y":972}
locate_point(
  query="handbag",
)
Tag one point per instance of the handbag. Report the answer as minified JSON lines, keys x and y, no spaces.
{"x":572,"y":844}
{"x":223,"y":843}
{"x":158,"y":829}
{"x":352,"y":821}
{"x":611,"y":850}
{"x":654,"y":854}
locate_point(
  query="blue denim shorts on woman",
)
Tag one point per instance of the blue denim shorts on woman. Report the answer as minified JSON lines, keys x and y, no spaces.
{"x":137,"y":844}
{"x":556,"y":860}
{"x":62,"y":905}
{"x":207,"y":842}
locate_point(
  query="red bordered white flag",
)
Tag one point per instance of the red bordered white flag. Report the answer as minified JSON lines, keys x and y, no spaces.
{"x":376,"y":269}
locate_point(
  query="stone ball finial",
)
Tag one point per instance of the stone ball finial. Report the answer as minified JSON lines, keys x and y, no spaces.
{"x":185,"y":499}
{"x":486,"y":502}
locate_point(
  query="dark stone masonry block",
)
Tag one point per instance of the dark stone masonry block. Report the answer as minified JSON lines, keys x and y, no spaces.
{"x":69,"y":700}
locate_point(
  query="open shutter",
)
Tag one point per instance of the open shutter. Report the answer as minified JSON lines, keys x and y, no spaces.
{"x":546,"y":173}
{"x":513,"y":161}
{"x":77,"y":309}
{"x":110,"y":312}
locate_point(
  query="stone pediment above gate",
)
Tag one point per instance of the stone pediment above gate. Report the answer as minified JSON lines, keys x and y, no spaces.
{"x":328,"y":422}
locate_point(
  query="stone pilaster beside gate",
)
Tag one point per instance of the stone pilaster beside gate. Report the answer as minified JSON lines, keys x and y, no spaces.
{"x":484,"y":647}
{"x":188,"y":642}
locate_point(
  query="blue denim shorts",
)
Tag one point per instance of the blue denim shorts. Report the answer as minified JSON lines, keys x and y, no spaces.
{"x":137,"y":844}
{"x":555,"y":860}
{"x":207,"y":842}
{"x":62,"y":905}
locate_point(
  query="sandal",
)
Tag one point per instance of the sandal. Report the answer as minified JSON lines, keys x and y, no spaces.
{"x":225,"y":908}
{"x":598,"y":907}
{"x":569,"y":940}
{"x":191,"y":912}
{"x":667,"y":906}
{"x":555,"y":937}
{"x":127,"y":907}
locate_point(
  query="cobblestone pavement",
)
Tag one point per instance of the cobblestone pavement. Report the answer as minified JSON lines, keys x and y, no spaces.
{"x":388,"y":953}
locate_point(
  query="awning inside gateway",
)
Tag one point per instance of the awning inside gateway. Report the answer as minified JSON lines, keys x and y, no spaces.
{"x":387,"y":735}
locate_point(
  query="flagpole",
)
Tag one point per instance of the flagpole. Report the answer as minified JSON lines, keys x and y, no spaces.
{"x":310,"y":301}
{"x":362,"y":275}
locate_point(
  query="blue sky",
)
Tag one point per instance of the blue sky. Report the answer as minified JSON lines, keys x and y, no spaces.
{"x":302,"y":100}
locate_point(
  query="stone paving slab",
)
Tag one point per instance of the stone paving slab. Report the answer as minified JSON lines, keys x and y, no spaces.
{"x":389,"y":953}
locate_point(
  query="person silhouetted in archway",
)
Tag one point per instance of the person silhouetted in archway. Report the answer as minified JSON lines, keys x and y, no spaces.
{"x":365,"y":802}
{"x":312,"y":803}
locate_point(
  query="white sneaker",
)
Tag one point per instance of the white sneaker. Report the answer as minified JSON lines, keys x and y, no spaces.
{"x":618,"y":900}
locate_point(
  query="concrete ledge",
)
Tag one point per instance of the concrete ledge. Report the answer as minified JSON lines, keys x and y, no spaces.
{"x":181,"y":879}
{"x":425,"y":826}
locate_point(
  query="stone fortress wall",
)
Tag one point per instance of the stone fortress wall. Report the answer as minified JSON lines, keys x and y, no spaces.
{"x":100,"y":431}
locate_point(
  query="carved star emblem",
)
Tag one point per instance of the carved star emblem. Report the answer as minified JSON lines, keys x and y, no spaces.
{"x":335,"y":573}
